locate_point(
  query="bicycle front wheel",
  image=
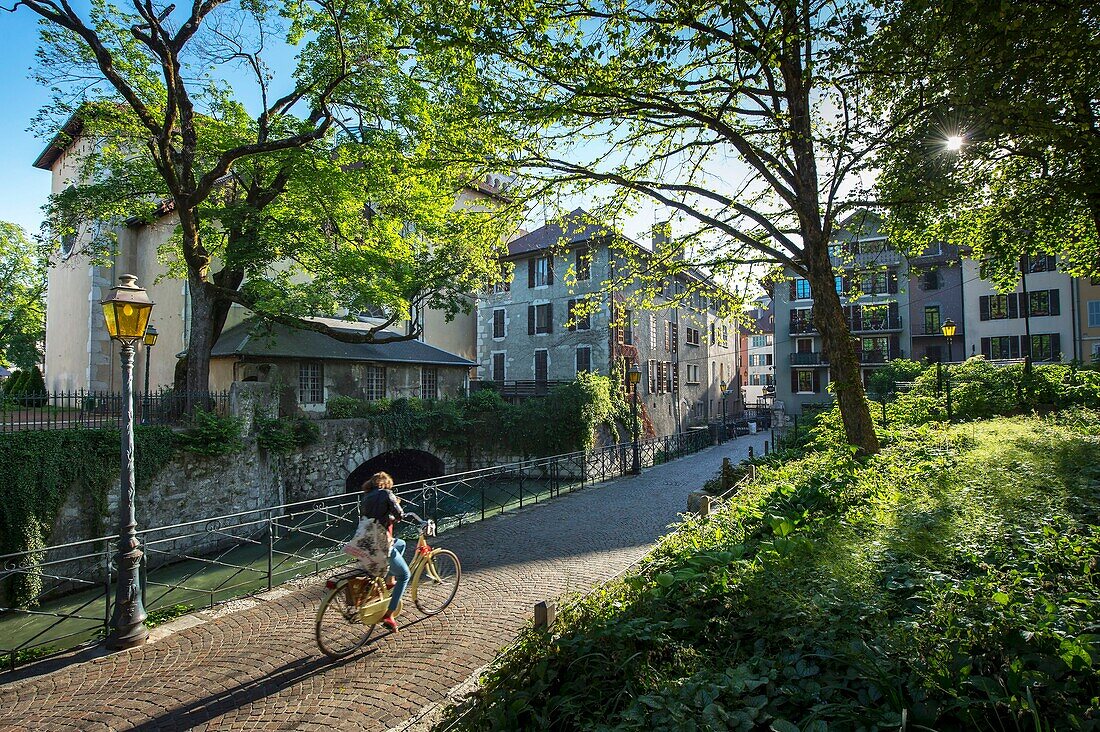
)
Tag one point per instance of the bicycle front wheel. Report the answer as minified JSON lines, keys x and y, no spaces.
{"x":436,"y":581}
{"x":339,"y":630}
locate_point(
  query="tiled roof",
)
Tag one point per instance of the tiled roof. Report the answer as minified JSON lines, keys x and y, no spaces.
{"x":273,"y":340}
{"x":576,"y":226}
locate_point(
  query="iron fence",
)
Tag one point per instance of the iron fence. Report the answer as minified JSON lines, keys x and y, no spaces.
{"x":62,"y":410}
{"x":60,"y":597}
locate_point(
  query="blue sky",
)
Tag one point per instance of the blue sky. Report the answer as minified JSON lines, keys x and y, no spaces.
{"x":23,"y":189}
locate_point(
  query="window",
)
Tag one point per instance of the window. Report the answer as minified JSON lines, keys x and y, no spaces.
{"x":760,"y":341}
{"x":498,"y":323}
{"x":801,"y":289}
{"x":692,"y":373}
{"x":1046,"y":347}
{"x":838,"y":283}
{"x":692,"y":337}
{"x":725,"y":338}
{"x":311,"y":383}
{"x":934,"y":354}
{"x":651,"y":380}
{"x":668,"y":376}
{"x":374,"y":383}
{"x":998,"y":307}
{"x":583,"y":264}
{"x":539,"y":319}
{"x":875,"y":283}
{"x":652,"y":332}
{"x":668,"y":336}
{"x":584,"y":359}
{"x":1044,"y":302}
{"x":498,"y":367}
{"x":540,"y":272}
{"x":1041,"y":263}
{"x":876,"y":344}
{"x":582,"y":322}
{"x":931,"y":319}
{"x":932,"y":280}
{"x":429,"y":382}
{"x":804,"y":345}
{"x":712,"y":333}
{"x":873,"y":246}
{"x":542,"y":365}
{"x":804,"y":382}
{"x":1094,"y":313}
{"x":628,"y":328}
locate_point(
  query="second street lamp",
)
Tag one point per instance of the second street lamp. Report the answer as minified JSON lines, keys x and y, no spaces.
{"x":127,"y":314}
{"x":722,"y":432}
{"x":948,"y":330}
{"x":150,"y":340}
{"x":635,"y":376}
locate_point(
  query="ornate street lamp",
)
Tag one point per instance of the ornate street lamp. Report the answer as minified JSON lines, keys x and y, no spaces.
{"x":635,"y":376}
{"x":722,"y":432}
{"x":150,"y":340}
{"x":948,"y":330}
{"x":127,"y":313}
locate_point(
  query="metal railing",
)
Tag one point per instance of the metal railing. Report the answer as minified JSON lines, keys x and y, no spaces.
{"x":60,"y":597}
{"x":517,"y":389}
{"x":809,"y":358}
{"x":62,"y":410}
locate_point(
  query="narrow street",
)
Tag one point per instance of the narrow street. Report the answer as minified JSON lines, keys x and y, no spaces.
{"x":258,"y":667}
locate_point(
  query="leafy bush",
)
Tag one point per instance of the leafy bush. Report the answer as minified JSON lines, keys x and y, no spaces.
{"x":885,"y":380}
{"x":950,"y":582}
{"x":281,"y":436}
{"x":34,"y":390}
{"x":211,"y":434}
{"x":563,"y":421}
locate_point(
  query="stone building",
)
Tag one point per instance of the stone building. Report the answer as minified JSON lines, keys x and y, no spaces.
{"x":79,"y":352}
{"x":307,"y":368}
{"x":567,"y":310}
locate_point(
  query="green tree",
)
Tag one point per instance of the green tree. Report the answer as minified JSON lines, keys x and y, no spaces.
{"x":1013,"y":86}
{"x":743,"y":120}
{"x":269,"y":198}
{"x":22,"y":309}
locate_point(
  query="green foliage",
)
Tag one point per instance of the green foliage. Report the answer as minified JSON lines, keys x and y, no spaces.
{"x":884,"y":380}
{"x":281,"y":436}
{"x":39,"y":468}
{"x":565,"y":420}
{"x":22,"y":306}
{"x":949,"y":582}
{"x":167,"y":614}
{"x":34,"y":390}
{"x":211,"y":434}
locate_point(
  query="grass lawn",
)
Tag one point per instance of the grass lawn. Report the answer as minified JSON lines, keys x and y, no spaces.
{"x":949,"y":583}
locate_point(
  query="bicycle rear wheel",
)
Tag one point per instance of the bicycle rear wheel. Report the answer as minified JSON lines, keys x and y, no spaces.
{"x":436,"y":581}
{"x":339,"y":630}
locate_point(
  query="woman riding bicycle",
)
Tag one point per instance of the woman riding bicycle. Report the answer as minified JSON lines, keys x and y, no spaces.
{"x":381,"y":506}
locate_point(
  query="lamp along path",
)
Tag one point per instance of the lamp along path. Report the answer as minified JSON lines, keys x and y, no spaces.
{"x":255,"y":665}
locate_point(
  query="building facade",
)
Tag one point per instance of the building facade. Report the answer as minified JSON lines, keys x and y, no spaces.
{"x":758,"y":345}
{"x":566,"y":311}
{"x":870,"y":277}
{"x":936,"y":288}
{"x":998,"y":324}
{"x":1088,"y":319}
{"x":79,"y":352}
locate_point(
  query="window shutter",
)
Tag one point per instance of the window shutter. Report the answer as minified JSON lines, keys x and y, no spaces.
{"x":1055,"y":304}
{"x":570,"y":315}
{"x":530,"y":274}
{"x":895,"y":347}
{"x":987,"y":350}
{"x":1014,"y":346}
{"x":817,"y":381}
{"x":892,"y":283}
{"x":550,"y":269}
{"x":1055,"y":344}
{"x":549,"y":317}
{"x":983,"y":307}
{"x":530,"y":320}
{"x":1014,"y":304}
{"x":676,"y":377}
{"x":794,"y":382}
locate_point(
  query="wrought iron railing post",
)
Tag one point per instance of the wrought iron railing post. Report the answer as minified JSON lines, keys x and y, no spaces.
{"x":483,"y":502}
{"x":270,"y":548}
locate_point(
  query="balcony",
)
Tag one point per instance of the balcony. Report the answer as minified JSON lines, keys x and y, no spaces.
{"x":879,"y":356}
{"x":808,"y":359}
{"x":875,"y":325}
{"x":803,"y":326}
{"x":516,"y":390}
{"x":924,"y":330}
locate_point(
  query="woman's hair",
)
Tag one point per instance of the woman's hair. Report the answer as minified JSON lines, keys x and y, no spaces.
{"x":378,"y":480}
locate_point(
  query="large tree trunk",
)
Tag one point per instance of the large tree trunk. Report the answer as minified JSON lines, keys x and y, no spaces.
{"x":844,"y":370}
{"x":200,"y":341}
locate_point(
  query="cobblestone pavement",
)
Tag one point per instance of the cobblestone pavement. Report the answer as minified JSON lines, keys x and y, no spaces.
{"x":258,"y":668}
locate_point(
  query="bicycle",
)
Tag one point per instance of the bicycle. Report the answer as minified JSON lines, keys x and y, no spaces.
{"x":354,"y":606}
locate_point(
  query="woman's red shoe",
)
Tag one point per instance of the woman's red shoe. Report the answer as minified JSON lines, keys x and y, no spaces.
{"x":390,"y":623}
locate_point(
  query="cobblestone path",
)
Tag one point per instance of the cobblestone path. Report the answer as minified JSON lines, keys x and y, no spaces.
{"x":258,"y":668}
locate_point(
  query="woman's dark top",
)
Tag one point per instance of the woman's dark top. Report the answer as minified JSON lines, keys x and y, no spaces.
{"x":381,"y":505}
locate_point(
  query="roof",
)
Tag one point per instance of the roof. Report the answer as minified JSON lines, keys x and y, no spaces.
{"x":257,"y":339}
{"x":575,"y":227}
{"x":59,"y":143}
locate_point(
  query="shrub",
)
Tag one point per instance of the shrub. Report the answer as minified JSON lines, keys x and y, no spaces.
{"x":35,"y":389}
{"x":212,"y":435}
